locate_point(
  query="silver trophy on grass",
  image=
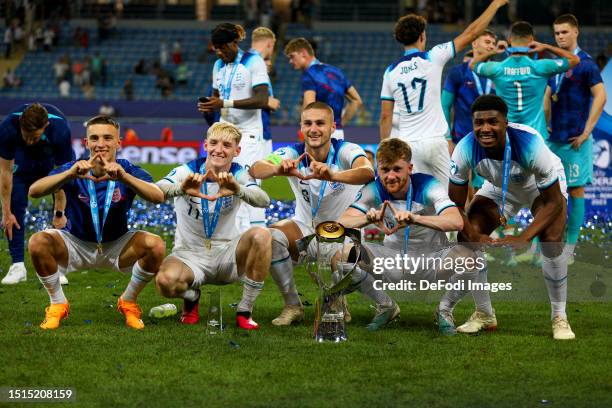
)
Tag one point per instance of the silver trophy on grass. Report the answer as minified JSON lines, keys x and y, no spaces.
{"x":214,"y":313}
{"x":333,"y":285}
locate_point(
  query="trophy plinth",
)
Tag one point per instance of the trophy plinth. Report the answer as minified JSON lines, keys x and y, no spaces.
{"x":330,"y":308}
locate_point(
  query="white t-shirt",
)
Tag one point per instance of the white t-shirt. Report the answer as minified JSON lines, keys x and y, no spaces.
{"x":336,"y":197}
{"x":188,"y":209}
{"x":414,"y":83}
{"x":531,"y":161}
{"x":236,"y":80}
{"x":429,"y":197}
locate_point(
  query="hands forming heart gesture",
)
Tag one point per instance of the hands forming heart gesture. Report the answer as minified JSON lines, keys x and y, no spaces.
{"x":228,"y":185}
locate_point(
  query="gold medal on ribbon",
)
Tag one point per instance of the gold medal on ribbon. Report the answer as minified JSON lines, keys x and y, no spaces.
{"x":208,"y":243}
{"x":99,"y":248}
{"x":503,"y":221}
{"x":555,"y":97}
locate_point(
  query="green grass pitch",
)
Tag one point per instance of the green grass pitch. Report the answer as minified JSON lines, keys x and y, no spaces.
{"x":406,"y":364}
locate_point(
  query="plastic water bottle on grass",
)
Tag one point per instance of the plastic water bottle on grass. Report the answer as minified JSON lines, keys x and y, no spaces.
{"x":162,"y":311}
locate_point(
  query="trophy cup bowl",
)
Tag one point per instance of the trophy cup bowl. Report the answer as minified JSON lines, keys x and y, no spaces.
{"x":329,"y":314}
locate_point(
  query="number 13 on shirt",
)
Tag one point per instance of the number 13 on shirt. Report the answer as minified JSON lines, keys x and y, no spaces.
{"x":415,"y":83}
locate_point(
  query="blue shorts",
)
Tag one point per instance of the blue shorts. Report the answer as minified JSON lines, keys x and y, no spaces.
{"x":578,"y":164}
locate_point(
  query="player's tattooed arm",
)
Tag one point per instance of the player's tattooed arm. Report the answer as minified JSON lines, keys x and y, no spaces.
{"x":386,"y":118}
{"x":477,"y":26}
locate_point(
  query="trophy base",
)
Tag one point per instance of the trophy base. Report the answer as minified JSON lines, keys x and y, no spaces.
{"x":331,"y":328}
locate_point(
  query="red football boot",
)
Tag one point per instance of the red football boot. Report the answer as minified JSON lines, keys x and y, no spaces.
{"x":246,"y":323}
{"x":191,"y":312}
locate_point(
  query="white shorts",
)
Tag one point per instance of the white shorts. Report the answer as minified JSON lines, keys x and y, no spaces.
{"x":215,"y":266}
{"x":431,"y":156}
{"x":326,"y":250}
{"x":84,"y":254}
{"x":517,"y":198}
{"x":267,"y":150}
{"x":252,"y":149}
{"x":338,"y":134}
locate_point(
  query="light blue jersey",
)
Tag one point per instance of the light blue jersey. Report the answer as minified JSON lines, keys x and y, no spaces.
{"x":521,"y":82}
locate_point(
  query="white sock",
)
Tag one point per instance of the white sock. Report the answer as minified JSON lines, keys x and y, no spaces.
{"x":139,"y":280}
{"x":281,"y":268}
{"x":569,"y":249}
{"x":282,"y":273}
{"x":190,"y":295}
{"x":555,"y":276}
{"x":250,"y":290}
{"x":482,"y":298}
{"x":453,"y":296}
{"x":54,"y":289}
{"x":366,"y":286}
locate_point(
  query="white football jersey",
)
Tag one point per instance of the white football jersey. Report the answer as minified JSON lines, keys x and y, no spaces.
{"x":414,"y":84}
{"x":337,"y":196}
{"x":188,"y":209}
{"x":531,"y":161}
{"x":236,"y":80}
{"x":429,"y":197}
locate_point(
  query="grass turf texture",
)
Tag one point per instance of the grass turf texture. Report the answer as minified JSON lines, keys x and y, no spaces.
{"x":169,"y":364}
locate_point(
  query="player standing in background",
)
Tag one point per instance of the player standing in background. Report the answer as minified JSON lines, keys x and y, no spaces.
{"x":324,"y":174}
{"x":323,"y":83}
{"x":209,"y":249}
{"x":520,"y":80}
{"x":262,"y":44}
{"x":240,"y":83}
{"x":413,"y":83}
{"x":99,"y":194}
{"x":463,"y":86}
{"x":574,"y":102}
{"x":33,"y":139}
{"x":520,"y":171}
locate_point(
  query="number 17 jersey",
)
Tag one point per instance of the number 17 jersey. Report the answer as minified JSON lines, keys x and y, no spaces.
{"x":414,"y":83}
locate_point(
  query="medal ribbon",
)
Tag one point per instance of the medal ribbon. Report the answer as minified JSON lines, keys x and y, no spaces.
{"x":559,"y":78}
{"x":209,"y":224}
{"x":93,"y":206}
{"x":227,"y":89}
{"x":331,"y":158}
{"x":505,"y":176}
{"x":408,"y":208}
{"x":479,"y":85}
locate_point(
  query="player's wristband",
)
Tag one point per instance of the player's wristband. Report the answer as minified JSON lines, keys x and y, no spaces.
{"x":228,"y":103}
